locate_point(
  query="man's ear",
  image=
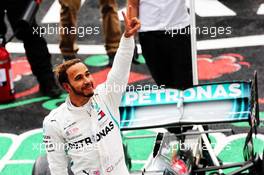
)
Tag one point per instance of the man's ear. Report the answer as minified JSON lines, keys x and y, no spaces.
{"x":67,"y":87}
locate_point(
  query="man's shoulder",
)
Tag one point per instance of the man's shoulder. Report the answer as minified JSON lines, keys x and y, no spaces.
{"x":55,"y":115}
{"x":100,"y":87}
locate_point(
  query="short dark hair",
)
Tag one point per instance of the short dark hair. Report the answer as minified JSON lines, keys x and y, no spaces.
{"x":60,"y":70}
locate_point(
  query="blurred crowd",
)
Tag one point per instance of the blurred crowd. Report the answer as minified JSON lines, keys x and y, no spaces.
{"x":167,"y":57}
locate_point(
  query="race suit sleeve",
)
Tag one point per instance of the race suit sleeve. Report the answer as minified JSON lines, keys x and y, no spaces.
{"x":117,"y":78}
{"x":54,"y":144}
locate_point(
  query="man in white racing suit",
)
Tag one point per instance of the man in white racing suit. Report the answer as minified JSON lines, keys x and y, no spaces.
{"x":85,"y":129}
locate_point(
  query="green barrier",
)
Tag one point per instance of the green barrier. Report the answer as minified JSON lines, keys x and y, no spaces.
{"x":139,"y":149}
{"x":30,"y":148}
{"x":5,"y":145}
{"x":17,"y":169}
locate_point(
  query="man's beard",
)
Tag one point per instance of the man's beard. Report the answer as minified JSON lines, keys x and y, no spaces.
{"x":80,"y":93}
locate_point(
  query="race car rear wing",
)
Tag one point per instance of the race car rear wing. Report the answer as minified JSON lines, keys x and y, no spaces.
{"x":203,"y":104}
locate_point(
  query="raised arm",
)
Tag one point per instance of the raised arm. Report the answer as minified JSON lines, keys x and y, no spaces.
{"x":118,"y":76}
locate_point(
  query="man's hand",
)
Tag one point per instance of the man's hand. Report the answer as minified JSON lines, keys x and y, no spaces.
{"x":132,"y":24}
